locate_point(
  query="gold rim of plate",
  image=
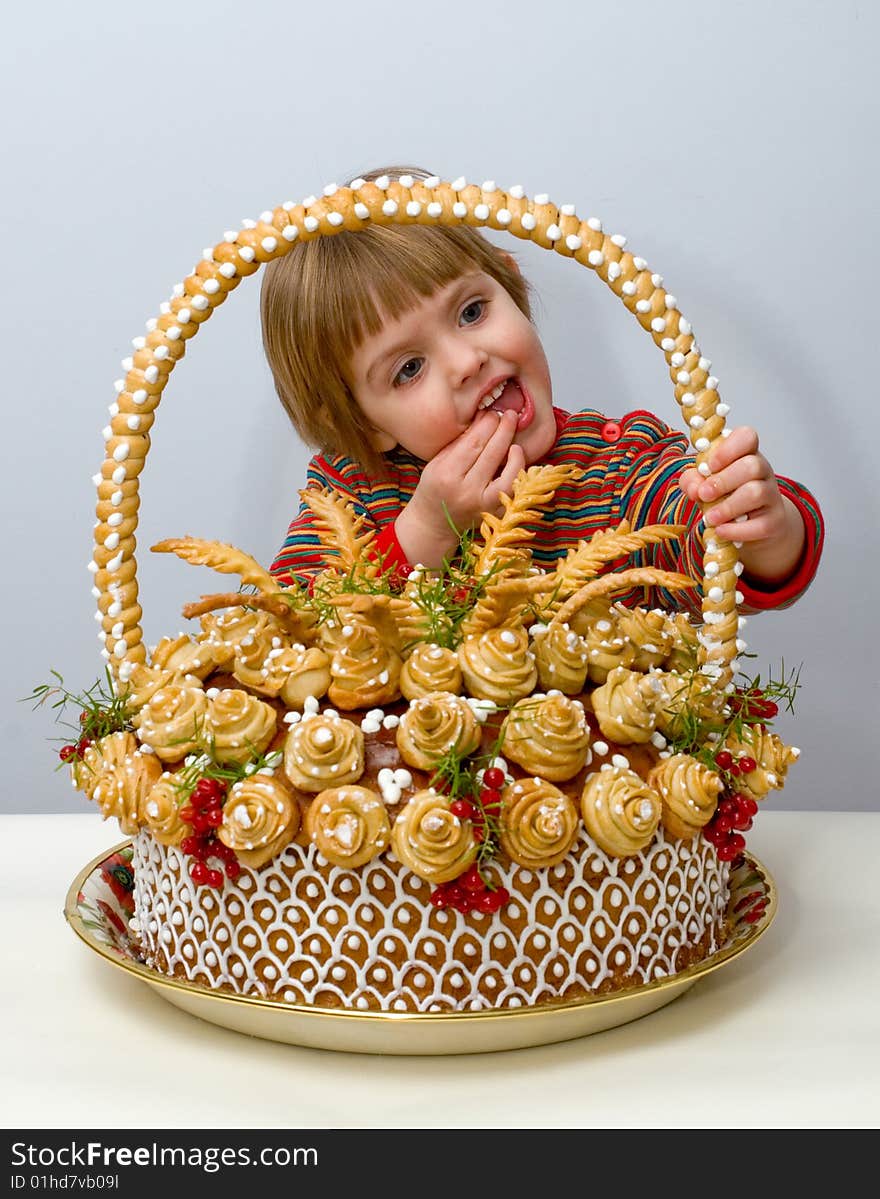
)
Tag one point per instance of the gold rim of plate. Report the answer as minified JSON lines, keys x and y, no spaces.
{"x":446,"y":1032}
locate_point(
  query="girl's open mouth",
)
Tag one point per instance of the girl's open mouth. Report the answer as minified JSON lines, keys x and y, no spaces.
{"x":514,"y":398}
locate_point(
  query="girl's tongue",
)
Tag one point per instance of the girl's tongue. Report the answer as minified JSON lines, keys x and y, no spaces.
{"x":511,"y":399}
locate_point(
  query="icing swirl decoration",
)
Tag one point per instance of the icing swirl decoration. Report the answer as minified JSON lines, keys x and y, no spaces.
{"x":689,"y":791}
{"x":239,"y":726}
{"x":173,"y":721}
{"x":160,"y":812}
{"x":540,"y":823}
{"x":435,"y":724}
{"x":561,"y":656}
{"x":430,"y":840}
{"x":260,"y":817}
{"x":117,"y":775}
{"x":620,"y":811}
{"x":349,"y":825}
{"x":626,"y":706}
{"x":430,"y":668}
{"x":498,"y":665}
{"x":323,"y":751}
{"x":548,"y":736}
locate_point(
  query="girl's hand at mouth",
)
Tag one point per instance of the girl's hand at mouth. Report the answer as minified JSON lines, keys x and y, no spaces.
{"x":458,"y":485}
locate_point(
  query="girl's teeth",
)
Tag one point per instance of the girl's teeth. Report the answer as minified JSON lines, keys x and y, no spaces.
{"x":493,"y":395}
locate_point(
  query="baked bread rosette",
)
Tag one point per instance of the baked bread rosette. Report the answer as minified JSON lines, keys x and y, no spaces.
{"x":173,"y":721}
{"x":117,"y":774}
{"x":539,"y":825}
{"x":683,"y":643}
{"x":547,"y":735}
{"x":606,"y":646}
{"x":144,"y":681}
{"x":184,"y":655}
{"x":349,"y":825}
{"x":620,"y":811}
{"x":234,"y":629}
{"x":647,"y":634}
{"x":435,"y":724}
{"x":689,"y":791}
{"x":431,"y":840}
{"x":770,"y":755}
{"x":626,"y":706}
{"x":239,"y":726}
{"x":561,"y":656}
{"x":498,"y":664}
{"x":291,"y":673}
{"x":161,"y":811}
{"x":365,"y":670}
{"x":430,"y":668}
{"x":323,"y":751}
{"x":260,"y":816}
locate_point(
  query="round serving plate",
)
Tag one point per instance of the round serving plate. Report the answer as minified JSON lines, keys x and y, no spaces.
{"x":99,"y":906}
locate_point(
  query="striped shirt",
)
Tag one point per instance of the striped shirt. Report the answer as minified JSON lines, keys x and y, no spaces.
{"x":630,"y":469}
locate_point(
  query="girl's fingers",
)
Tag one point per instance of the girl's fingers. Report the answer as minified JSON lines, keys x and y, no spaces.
{"x":740,"y":473}
{"x":750,"y":497}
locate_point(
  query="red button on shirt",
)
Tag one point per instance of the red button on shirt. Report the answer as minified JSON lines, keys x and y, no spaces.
{"x":611,"y":431}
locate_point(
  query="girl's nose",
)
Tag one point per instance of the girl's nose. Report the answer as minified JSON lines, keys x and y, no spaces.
{"x":465,"y":360}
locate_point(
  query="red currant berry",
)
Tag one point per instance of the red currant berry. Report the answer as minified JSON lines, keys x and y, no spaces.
{"x":463,"y":809}
{"x":82,"y":745}
{"x":713,"y":835}
{"x":724,"y":759}
{"x":462,"y":903}
{"x":747,"y":764}
{"x":727,"y":852}
{"x":438,"y":898}
{"x":750,"y":805}
{"x":490,"y":797}
{"x":487,"y":902}
{"x":728,"y":807}
{"x":190,"y":845}
{"x":493,"y":777}
{"x":738,"y":842}
{"x":232,"y":868}
{"x":186,"y":813}
{"x":734,"y":770}
{"x":213,"y":816}
{"x":723,"y":824}
{"x":472,"y":880}
{"x":198,"y":872}
{"x":67,"y":752}
{"x":215,"y":879}
{"x":199,"y":822}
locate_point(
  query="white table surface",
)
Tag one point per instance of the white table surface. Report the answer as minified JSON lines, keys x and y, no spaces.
{"x":787,"y":1035}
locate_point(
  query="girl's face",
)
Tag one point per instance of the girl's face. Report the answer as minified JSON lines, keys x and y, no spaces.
{"x":423,"y":379}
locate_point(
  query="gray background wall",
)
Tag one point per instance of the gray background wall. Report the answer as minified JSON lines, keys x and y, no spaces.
{"x":733,"y":143}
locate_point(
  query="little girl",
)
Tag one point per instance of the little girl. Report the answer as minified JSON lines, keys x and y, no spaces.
{"x":407,"y":356}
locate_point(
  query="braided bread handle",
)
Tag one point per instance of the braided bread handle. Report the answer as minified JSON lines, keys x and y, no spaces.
{"x":402,"y":200}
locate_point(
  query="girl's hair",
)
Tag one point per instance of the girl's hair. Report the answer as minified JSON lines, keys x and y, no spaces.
{"x":324,"y":297}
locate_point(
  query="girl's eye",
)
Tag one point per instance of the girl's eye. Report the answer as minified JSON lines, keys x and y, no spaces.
{"x":408,"y":371}
{"x":472,"y":312}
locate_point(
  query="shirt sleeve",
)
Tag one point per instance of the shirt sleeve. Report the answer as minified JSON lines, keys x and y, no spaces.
{"x":303,"y":555}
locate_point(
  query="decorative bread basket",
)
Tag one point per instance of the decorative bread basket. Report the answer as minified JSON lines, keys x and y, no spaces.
{"x":595,"y":859}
